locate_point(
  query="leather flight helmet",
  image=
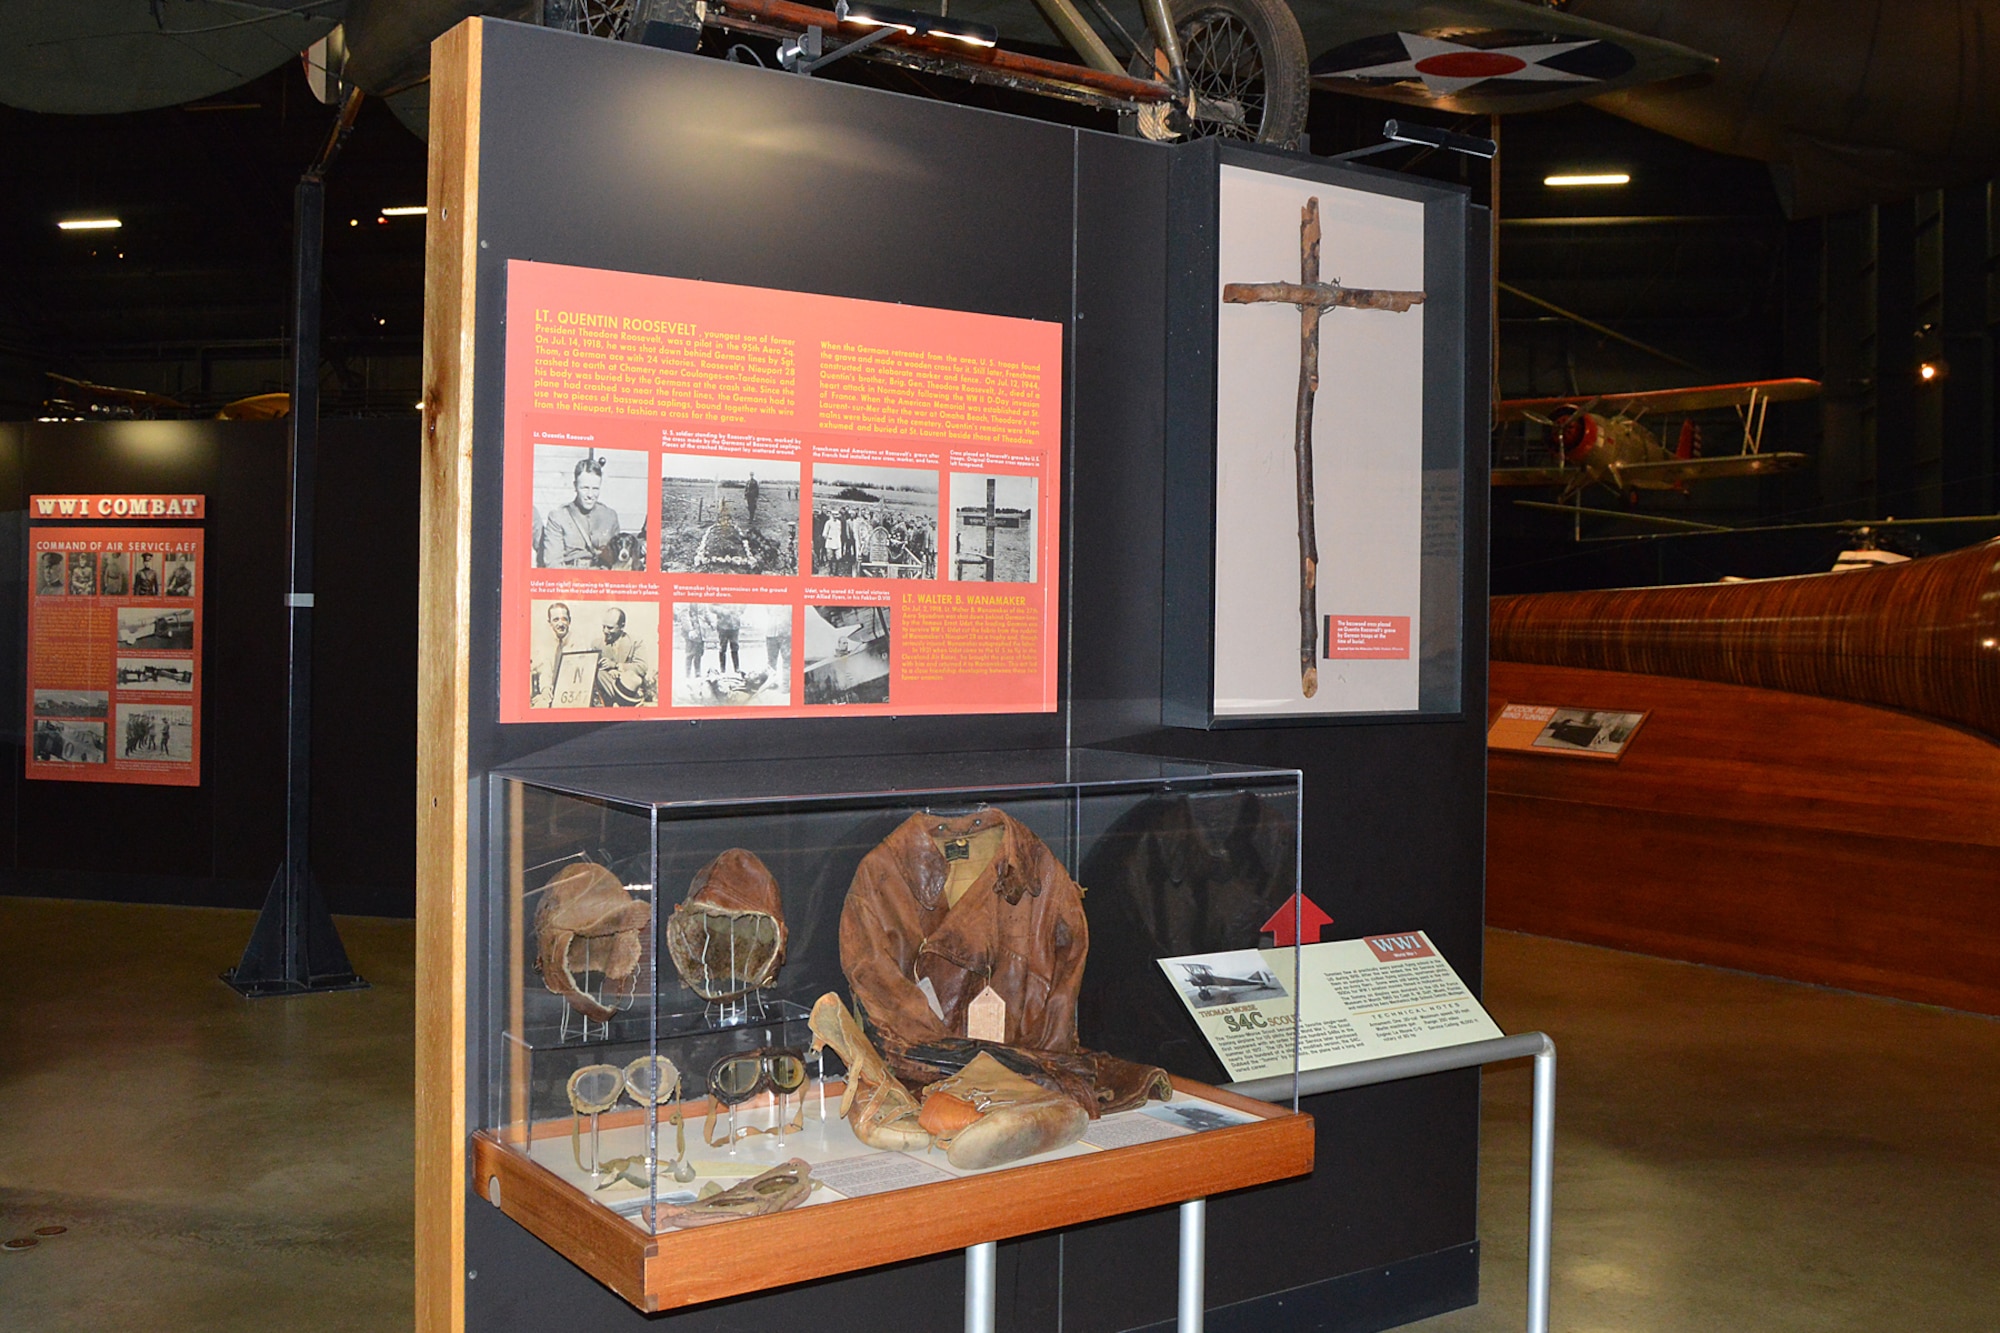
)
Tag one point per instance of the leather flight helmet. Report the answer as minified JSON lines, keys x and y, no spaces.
{"x":728,"y":938}
{"x":587,"y":922}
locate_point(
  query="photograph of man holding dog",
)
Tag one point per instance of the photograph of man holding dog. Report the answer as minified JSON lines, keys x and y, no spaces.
{"x":581,"y":494}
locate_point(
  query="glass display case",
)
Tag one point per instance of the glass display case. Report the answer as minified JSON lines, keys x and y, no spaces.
{"x":742,"y":993}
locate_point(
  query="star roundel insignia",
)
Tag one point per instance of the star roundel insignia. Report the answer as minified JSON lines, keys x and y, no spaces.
{"x":1491,"y":62}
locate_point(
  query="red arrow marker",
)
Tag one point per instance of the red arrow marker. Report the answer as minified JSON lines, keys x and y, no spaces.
{"x":1311,"y":920}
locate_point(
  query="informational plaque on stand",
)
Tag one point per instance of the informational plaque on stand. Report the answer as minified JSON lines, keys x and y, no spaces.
{"x":1360,"y":1000}
{"x":1583,"y":733}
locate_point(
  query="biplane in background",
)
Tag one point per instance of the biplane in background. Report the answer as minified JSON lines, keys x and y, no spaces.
{"x":1602,"y":440}
{"x":1211,"y":987}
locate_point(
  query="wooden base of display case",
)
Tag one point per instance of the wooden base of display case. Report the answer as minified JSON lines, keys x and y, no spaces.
{"x":680,"y":1268}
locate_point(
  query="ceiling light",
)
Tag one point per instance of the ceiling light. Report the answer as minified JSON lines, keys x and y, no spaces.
{"x":90,"y":224}
{"x":406,"y":211}
{"x":1596,"y":178}
{"x":916,"y":24}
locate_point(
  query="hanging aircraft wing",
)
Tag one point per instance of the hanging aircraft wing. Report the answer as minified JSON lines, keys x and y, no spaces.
{"x":1480,"y":57}
{"x":1535,"y":476}
{"x":1700,"y":398}
{"x":1676,"y":471}
{"x":95,"y":57}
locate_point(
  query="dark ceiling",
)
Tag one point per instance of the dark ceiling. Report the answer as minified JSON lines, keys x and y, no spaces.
{"x":1690,"y":274}
{"x":189,"y":297}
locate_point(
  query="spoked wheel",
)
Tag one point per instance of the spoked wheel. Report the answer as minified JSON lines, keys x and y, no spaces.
{"x":593,"y":18}
{"x":1246,"y":65}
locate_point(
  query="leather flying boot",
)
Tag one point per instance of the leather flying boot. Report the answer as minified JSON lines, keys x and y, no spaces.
{"x":881,"y":1110}
{"x":988,"y":1115}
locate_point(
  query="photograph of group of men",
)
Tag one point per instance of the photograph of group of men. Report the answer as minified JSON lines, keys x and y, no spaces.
{"x":593,"y":654}
{"x":728,"y":515}
{"x":156,"y":733}
{"x":874,"y":522}
{"x":114,"y":574}
{"x":732,"y":655}
{"x":590,"y":508}
{"x":69,"y":726}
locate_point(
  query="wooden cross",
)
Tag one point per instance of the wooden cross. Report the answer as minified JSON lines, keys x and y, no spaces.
{"x":1312,"y":296}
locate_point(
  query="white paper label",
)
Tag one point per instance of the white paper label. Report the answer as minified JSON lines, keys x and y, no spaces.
{"x":986,"y":1016}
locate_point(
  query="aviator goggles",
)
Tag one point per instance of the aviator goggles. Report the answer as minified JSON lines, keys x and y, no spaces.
{"x":735,"y":1079}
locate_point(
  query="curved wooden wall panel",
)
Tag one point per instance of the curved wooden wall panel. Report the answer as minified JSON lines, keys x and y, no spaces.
{"x":1813,"y":839}
{"x":1923,"y":637}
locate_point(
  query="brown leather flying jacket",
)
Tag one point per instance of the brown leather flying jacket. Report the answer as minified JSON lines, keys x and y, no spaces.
{"x":1018,"y":927}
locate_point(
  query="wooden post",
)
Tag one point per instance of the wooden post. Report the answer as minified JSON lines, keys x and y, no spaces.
{"x":991,"y":483}
{"x":443,"y":685}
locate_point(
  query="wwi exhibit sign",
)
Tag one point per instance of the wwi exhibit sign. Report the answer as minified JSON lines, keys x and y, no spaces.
{"x":114,"y":639}
{"x":735,"y":501}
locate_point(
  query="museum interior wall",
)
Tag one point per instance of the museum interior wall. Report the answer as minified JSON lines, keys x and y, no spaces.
{"x":217,"y":844}
{"x":1780,"y":833}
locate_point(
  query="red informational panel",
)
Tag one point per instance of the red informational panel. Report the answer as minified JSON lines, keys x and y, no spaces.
{"x":732,"y":501}
{"x":114,"y":640}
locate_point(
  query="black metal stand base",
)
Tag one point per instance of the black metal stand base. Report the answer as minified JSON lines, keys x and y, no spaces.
{"x":295,"y":949}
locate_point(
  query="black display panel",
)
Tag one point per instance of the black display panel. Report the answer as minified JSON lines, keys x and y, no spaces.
{"x":1318,"y":441}
{"x":624,"y":158}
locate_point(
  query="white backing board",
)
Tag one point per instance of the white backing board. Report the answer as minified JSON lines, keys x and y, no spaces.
{"x":1367,"y":443}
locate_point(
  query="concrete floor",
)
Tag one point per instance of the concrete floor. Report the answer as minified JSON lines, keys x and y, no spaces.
{"x":1733,"y":1153}
{"x":221,"y":1164}
{"x":1737,"y":1153}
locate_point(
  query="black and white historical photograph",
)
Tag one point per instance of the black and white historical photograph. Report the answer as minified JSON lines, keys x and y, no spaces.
{"x":1197,"y":1118}
{"x":992,"y":528}
{"x":179,"y":574}
{"x":72,"y":703}
{"x":590,"y":508}
{"x":155,"y":627}
{"x":597,"y":654}
{"x":1237,"y":976}
{"x":156,"y":673}
{"x":728,"y":515}
{"x":874,"y":522}
{"x":83,"y":573}
{"x":68,"y":741}
{"x":732,"y":655}
{"x":1594,"y":730}
{"x":50,"y":574}
{"x":847,"y":655}
{"x":162,"y":733}
{"x":146,"y":574}
{"x":114,"y":576}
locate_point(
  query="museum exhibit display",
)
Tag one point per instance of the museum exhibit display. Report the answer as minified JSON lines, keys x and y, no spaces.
{"x":1918,"y":635}
{"x":755,"y":552}
{"x":1342,"y":402}
{"x":897,"y":997}
{"x":1850,"y":714}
